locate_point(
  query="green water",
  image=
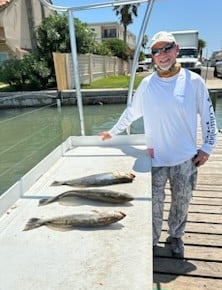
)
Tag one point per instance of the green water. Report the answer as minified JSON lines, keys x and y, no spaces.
{"x":28,"y":135}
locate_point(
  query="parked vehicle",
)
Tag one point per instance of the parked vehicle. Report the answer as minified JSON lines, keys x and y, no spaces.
{"x":218,"y":69}
{"x":188,"y":56}
{"x":216,"y":56}
{"x":142,"y":67}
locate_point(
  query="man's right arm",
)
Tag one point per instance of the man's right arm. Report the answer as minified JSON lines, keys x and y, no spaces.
{"x":130,"y":114}
{"x":105,"y":135}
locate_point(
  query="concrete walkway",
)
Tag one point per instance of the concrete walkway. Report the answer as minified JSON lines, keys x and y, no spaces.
{"x":214,"y":83}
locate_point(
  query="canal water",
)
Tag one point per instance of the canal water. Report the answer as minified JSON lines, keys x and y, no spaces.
{"x":28,"y":135}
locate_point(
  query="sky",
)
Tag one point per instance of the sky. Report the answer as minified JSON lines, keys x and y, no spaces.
{"x":168,"y":15}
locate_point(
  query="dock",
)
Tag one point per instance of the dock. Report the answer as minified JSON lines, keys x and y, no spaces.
{"x":201,"y":267}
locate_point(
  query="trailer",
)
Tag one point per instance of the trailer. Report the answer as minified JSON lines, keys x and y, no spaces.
{"x":188,"y":55}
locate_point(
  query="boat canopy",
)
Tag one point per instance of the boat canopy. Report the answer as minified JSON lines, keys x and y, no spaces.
{"x":70,"y":14}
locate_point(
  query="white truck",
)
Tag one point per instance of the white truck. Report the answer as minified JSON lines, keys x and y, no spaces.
{"x":188,"y":56}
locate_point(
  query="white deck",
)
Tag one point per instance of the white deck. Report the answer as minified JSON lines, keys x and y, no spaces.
{"x":114,"y":257}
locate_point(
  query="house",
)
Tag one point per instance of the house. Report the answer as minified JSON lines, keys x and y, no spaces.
{"x":108,"y":30}
{"x":18,"y":22}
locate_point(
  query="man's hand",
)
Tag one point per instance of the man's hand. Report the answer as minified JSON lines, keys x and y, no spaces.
{"x":200,"y":158}
{"x":105,"y":135}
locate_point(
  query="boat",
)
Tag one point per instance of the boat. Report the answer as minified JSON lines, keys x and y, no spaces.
{"x":118,"y":256}
{"x":83,"y":258}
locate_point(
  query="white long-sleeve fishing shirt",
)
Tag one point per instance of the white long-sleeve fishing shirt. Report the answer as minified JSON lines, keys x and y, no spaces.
{"x":170,"y":109}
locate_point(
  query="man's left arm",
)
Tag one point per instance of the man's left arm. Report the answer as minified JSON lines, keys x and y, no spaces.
{"x":208,"y":126}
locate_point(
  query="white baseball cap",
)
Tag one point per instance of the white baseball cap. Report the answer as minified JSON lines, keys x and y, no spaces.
{"x":162,"y":36}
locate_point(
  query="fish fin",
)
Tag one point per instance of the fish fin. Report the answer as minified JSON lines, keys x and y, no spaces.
{"x":32,"y":224}
{"x":56,"y":183}
{"x":60,"y":228}
{"x":43,"y":201}
{"x":122,"y":213}
{"x":95,"y":210}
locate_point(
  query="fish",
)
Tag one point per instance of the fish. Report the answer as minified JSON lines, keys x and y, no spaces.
{"x":100,"y":179}
{"x":93,"y":218}
{"x":104,"y":195}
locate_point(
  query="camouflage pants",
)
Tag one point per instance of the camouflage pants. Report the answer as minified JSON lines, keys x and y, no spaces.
{"x":182,"y":179}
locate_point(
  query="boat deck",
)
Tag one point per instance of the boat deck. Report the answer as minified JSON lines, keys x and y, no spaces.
{"x":201,"y":267}
{"x":118,"y":256}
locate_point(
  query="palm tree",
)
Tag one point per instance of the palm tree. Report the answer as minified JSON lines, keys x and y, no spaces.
{"x":126,"y":13}
{"x":201,"y":46}
{"x":144,"y":42}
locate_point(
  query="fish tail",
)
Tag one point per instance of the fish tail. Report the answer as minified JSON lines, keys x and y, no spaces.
{"x":45,"y":201}
{"x":32,"y":224}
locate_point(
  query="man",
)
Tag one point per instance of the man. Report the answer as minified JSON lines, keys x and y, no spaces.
{"x":170,"y":100}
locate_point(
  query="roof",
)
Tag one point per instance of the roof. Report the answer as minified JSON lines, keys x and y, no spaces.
{"x":4,"y":3}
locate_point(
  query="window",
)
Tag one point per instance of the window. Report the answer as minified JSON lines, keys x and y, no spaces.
{"x":109,"y":33}
{"x":3,"y":57}
{"x":189,"y":52}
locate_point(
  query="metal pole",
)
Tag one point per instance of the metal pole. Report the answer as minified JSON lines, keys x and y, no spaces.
{"x":137,"y":51}
{"x":92,"y":6}
{"x":76,"y":69}
{"x":206,"y":73}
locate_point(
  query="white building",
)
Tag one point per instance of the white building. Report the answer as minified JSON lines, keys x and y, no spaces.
{"x":108,"y":30}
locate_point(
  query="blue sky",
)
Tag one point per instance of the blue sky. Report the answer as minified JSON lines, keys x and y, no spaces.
{"x":170,"y":15}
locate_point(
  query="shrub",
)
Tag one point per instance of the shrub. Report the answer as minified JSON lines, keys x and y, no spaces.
{"x":29,"y":72}
{"x":118,"y":47}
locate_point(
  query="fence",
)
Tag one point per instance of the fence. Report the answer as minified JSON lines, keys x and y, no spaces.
{"x":91,"y":67}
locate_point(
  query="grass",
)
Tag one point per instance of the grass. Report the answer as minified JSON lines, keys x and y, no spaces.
{"x":113,"y":82}
{"x":110,"y":82}
{"x":3,"y":86}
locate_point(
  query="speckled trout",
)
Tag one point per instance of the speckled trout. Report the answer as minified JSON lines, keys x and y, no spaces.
{"x":104,"y":195}
{"x":100,"y":179}
{"x":89,"y":219}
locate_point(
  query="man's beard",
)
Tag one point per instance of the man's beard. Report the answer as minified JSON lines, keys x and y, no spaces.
{"x":166,"y":68}
{"x":171,"y":71}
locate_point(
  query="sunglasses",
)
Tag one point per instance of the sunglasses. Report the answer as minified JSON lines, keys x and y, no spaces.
{"x":157,"y":51}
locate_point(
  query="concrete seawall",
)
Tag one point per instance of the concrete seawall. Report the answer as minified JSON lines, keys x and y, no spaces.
{"x":89,"y":97}
{"x":67,"y":97}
